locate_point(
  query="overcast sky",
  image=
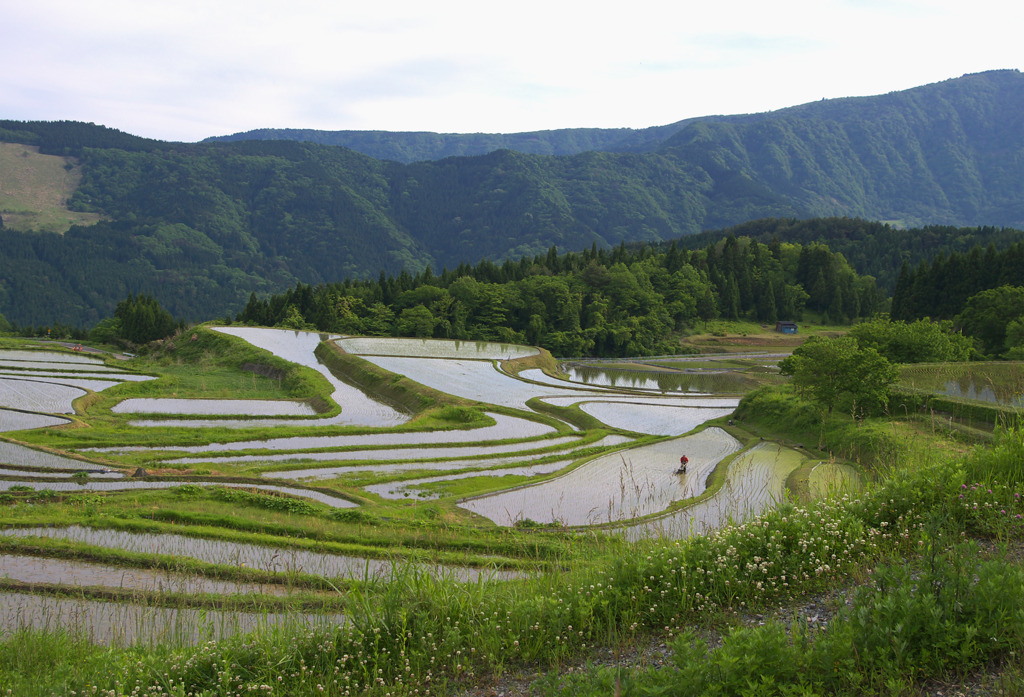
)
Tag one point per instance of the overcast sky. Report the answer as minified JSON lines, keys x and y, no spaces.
{"x":188,"y":69}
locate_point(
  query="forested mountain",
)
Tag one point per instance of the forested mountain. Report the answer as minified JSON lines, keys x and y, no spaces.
{"x":200,"y":226}
{"x":416,"y":146}
{"x":872,"y":248}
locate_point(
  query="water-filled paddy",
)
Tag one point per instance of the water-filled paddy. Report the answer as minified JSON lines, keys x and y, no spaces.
{"x":6,"y":472}
{"x":527,"y":467}
{"x":270,"y":559}
{"x":705,"y":401}
{"x":66,"y":368}
{"x":357,"y":409}
{"x":14,"y":454}
{"x":476,"y":380}
{"x":72,"y":574}
{"x":130,"y":485}
{"x":20,"y":420}
{"x":653,"y":419}
{"x":410,"y":453}
{"x":997,"y":382}
{"x":444,"y":465}
{"x":614,"y":487}
{"x":503,"y":428}
{"x":126,"y":624}
{"x":68,"y":380}
{"x":38,"y":396}
{"x":233,"y":407}
{"x":754,"y":482}
{"x":704,"y":382}
{"x":88,"y":374}
{"x":19,"y":356}
{"x":434,"y":348}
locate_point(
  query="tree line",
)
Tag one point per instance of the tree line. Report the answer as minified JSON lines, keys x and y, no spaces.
{"x":627,"y":301}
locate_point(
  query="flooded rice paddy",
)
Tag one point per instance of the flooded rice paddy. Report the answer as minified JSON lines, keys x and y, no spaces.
{"x":38,"y":396}
{"x":434,"y":348}
{"x":504,"y":427}
{"x":700,"y":382}
{"x":653,"y":419}
{"x":14,"y":454}
{"x":75,"y":574}
{"x":755,"y":481}
{"x":127,"y":624}
{"x":230,"y":407}
{"x":410,"y":453}
{"x":476,"y":380}
{"x":50,"y":474}
{"x":135,"y":485}
{"x":111,"y":375}
{"x":277,"y":560}
{"x":527,"y":466}
{"x":614,"y":487}
{"x":20,"y":356}
{"x":357,"y":408}
{"x":20,"y":420}
{"x":996,"y":383}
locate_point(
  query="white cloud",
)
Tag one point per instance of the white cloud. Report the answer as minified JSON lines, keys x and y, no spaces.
{"x":187,"y":69}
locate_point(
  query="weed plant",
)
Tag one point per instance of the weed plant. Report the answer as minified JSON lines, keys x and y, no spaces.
{"x":950,"y":615}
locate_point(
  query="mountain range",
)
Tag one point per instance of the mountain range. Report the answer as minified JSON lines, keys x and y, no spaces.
{"x":202,"y":225}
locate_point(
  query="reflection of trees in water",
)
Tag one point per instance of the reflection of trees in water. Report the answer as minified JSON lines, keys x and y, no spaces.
{"x":995,"y":383}
{"x":708,"y":382}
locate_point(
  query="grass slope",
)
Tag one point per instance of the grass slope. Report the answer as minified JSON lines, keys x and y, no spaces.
{"x":35,"y":190}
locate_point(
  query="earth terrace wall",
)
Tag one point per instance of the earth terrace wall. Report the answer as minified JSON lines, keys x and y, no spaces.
{"x":396,"y":390}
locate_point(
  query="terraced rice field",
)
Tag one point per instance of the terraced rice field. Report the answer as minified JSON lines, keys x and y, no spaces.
{"x":434,"y":348}
{"x":754,"y":482}
{"x":38,"y":396}
{"x":365,"y":460}
{"x":470,"y":379}
{"x":251,"y":407}
{"x":504,"y":427}
{"x":614,"y":487}
{"x":19,"y":421}
{"x":278,"y":560}
{"x":996,"y":383}
{"x":74,"y":574}
{"x":697,"y":382}
{"x":128,"y":624}
{"x":653,"y":419}
{"x":357,"y":408}
{"x":132,"y":485}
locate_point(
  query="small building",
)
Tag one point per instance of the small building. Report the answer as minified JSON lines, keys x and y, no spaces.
{"x":786,"y":327}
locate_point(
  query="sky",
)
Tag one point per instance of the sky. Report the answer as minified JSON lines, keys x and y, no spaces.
{"x":184,"y":70}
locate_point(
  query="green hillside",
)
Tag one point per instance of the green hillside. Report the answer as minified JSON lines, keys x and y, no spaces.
{"x":201,"y":226}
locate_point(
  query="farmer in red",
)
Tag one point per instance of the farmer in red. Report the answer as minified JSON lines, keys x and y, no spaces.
{"x":683,"y":461}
